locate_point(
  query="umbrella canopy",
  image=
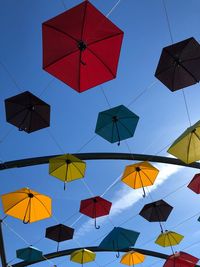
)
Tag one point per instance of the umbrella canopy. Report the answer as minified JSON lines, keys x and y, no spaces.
{"x":139,"y":175}
{"x":95,"y":207}
{"x":116,"y":124}
{"x":67,"y":168}
{"x":82,"y":256}
{"x":194,"y":184}
{"x":181,"y":259}
{"x":81,"y":47}
{"x":179,"y":64}
{"x":132,"y":258}
{"x":27,"y":112}
{"x":187,"y":146}
{"x":59,"y":233}
{"x":119,"y":238}
{"x":29,"y":254}
{"x":168,"y":239}
{"x":157,"y":211}
{"x":27,"y":205}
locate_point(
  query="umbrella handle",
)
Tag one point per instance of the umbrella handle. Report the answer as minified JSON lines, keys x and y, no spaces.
{"x":144,"y":193}
{"x":117,"y":255}
{"x":25,"y":222}
{"x":95,"y":224}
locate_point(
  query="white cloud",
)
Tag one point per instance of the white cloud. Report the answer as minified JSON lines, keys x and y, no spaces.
{"x":126,"y":197}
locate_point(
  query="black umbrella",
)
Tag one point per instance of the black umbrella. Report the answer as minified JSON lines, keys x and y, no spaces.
{"x":179,"y":64}
{"x":157,"y":211}
{"x":27,"y":112}
{"x":59,"y":233}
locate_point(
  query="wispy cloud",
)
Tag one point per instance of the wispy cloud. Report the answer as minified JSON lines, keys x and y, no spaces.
{"x":126,"y":197}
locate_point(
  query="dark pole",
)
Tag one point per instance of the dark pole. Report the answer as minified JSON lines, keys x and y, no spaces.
{"x":98,"y":156}
{"x":2,"y":249}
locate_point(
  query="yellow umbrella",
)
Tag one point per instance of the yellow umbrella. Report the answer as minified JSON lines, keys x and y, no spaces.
{"x":27,"y":205}
{"x":139,"y":175}
{"x":187,"y":146}
{"x":132,"y":258}
{"x":67,"y":168}
{"x":82,"y":256}
{"x":169,"y":239}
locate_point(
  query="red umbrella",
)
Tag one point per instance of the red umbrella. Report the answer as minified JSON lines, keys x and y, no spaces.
{"x":81,"y":47}
{"x":194,"y":184}
{"x":181,"y":259}
{"x":95,"y":207}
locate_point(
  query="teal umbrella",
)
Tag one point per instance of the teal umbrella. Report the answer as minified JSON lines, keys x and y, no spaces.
{"x":29,"y":254}
{"x":116,"y":124}
{"x":119,"y":238}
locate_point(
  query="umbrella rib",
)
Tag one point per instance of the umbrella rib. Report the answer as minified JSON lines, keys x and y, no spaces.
{"x":35,"y":111}
{"x":15,"y":204}
{"x":191,"y":59}
{"x":105,"y":38}
{"x":147,"y":176}
{"x":17,"y":113}
{"x":102,"y":62}
{"x":60,"y":31}
{"x":112,"y":131}
{"x":188,"y":148}
{"x":124,"y":126}
{"x":77,"y":168}
{"x":43,"y":205}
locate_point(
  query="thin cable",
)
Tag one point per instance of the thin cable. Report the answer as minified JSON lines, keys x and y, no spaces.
{"x":77,"y":220}
{"x":11,"y":77}
{"x":88,"y":189}
{"x":18,"y":235}
{"x":6,"y":135}
{"x":47,"y":86}
{"x":55,"y":141}
{"x":63,"y":3}
{"x":83,"y":146}
{"x":113,"y":8}
{"x":102,"y":90}
{"x":186,"y":106}
{"x":140,"y":94}
{"x":112,"y":185}
{"x":168,"y":23}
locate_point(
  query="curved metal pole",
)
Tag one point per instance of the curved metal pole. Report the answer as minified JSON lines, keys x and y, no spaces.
{"x":94,"y":249}
{"x":98,"y":156}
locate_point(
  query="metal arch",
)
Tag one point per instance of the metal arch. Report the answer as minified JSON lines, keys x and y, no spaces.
{"x":89,"y":156}
{"x":98,"y":156}
{"x":94,"y":249}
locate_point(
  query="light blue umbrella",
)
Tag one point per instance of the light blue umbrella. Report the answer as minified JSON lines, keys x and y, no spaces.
{"x":29,"y":254}
{"x":116,"y":124}
{"x":119,"y":238}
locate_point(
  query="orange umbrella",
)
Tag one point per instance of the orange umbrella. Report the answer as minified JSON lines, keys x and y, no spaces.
{"x":27,"y":205}
{"x":139,"y":175}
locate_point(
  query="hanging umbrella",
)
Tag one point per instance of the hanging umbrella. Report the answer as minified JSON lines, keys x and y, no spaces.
{"x":27,"y":205}
{"x":29,"y":254}
{"x":157,"y":211}
{"x":119,"y":238}
{"x":168,"y":239}
{"x":139,"y":175}
{"x":179,"y":64}
{"x":131,"y":258}
{"x":181,"y":259}
{"x":116,"y":124}
{"x":187,"y":146}
{"x":81,"y":47}
{"x":59,"y":233}
{"x":67,"y":168}
{"x":95,"y":207}
{"x":27,"y":112}
{"x":82,"y":256}
{"x":194,"y":184}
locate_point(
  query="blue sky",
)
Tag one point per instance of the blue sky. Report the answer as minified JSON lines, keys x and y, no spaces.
{"x":162,"y":115}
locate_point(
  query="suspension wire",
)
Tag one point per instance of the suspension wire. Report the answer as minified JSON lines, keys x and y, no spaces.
{"x":17,"y":234}
{"x":77,"y":220}
{"x":142,"y":93}
{"x":168,"y":23}
{"x":63,"y":3}
{"x":186,"y":106}
{"x":11,"y":77}
{"x":110,"y":262}
{"x":113,"y":8}
{"x":112,"y":185}
{"x":46,"y":87}
{"x":6,"y":135}
{"x":55,"y":141}
{"x":87,"y":187}
{"x":102,"y":90}
{"x":83,"y":146}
